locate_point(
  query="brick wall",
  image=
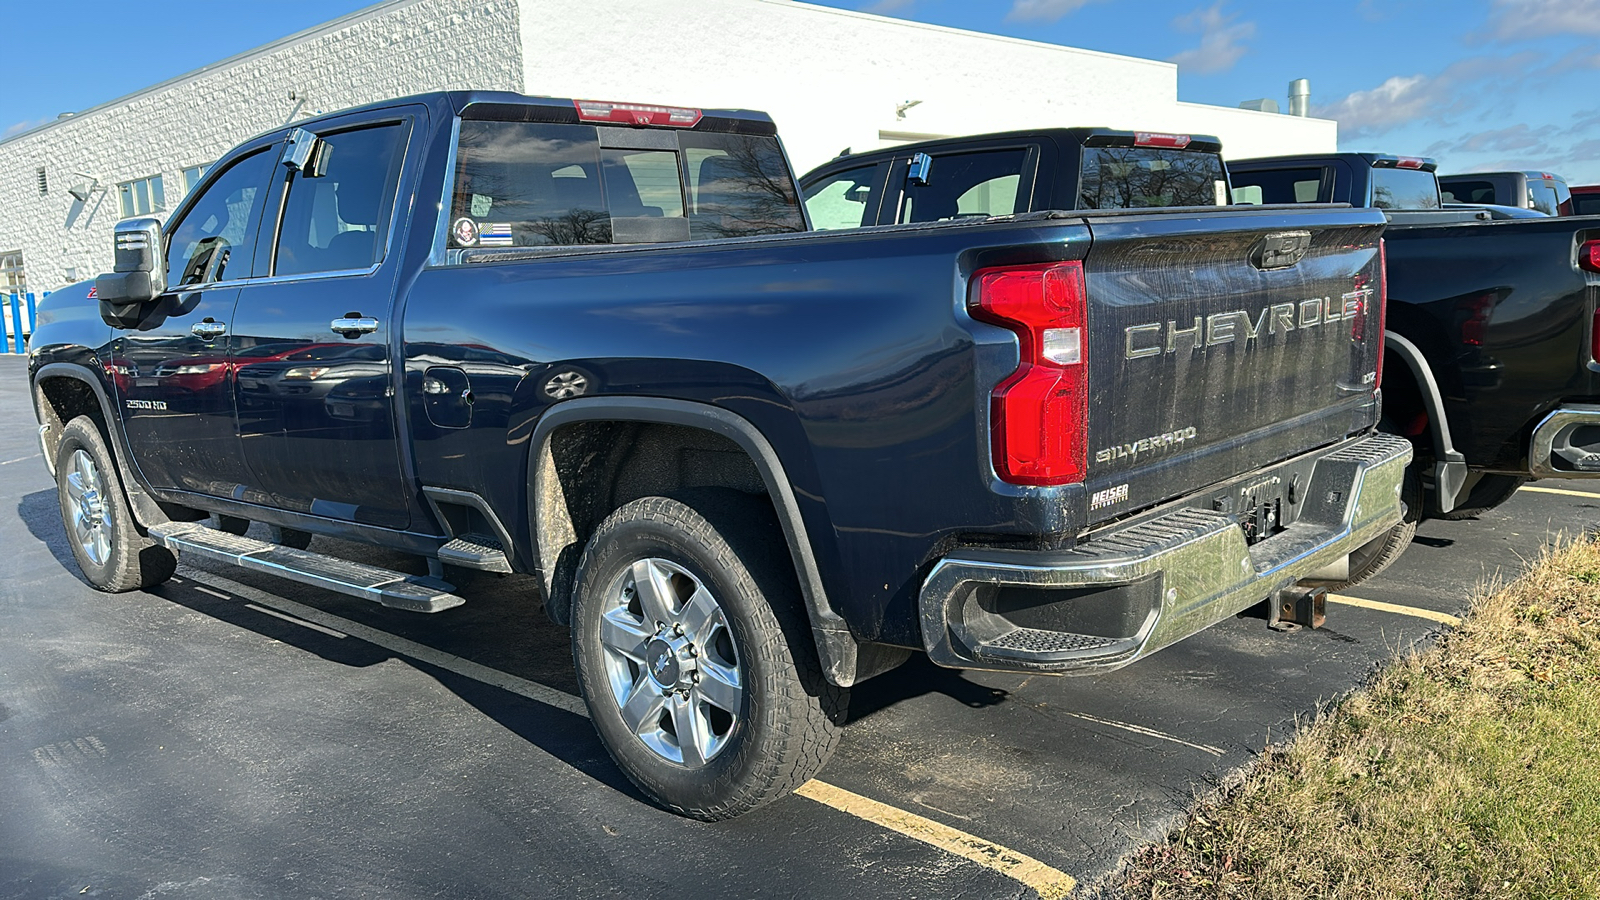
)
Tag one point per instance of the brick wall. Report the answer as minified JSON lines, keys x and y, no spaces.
{"x":390,"y":50}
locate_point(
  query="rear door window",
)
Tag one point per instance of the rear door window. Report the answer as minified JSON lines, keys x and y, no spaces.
{"x":847,"y":199}
{"x":1279,"y":186}
{"x":1145,"y":177}
{"x":963,"y":185}
{"x":337,"y":212}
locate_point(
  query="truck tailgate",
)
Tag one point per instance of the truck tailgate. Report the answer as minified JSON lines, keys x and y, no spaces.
{"x":1216,"y":351}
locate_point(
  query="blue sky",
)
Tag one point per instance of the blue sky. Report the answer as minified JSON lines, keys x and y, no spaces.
{"x":1477,"y":83}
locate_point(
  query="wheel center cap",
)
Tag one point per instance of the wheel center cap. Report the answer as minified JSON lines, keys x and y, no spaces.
{"x":662,"y":660}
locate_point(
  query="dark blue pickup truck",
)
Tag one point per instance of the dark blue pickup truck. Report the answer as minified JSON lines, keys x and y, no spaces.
{"x":751,"y":464}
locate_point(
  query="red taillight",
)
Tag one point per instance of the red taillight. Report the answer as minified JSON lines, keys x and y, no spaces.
{"x":1594,"y":337}
{"x":1040,"y":413}
{"x":636,"y":113}
{"x":1153,"y":139}
{"x":1475,"y":322}
{"x":1383,"y":308}
{"x":1589,"y":256}
{"x":1410,"y":162}
{"x":1589,"y":261}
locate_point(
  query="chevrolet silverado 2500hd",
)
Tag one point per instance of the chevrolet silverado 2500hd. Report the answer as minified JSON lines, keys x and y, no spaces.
{"x":752,"y":464}
{"x":1041,"y":169}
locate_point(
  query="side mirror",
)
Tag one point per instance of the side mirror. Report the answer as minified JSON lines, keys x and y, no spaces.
{"x":139,"y":273}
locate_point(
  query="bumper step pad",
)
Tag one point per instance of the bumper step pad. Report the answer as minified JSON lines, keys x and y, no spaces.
{"x":475,"y":551}
{"x":390,"y":588}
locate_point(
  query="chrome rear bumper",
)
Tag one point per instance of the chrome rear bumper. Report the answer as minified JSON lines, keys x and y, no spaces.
{"x":1129,"y":591}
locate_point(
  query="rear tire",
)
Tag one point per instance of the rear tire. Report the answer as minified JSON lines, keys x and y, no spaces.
{"x":731,"y":662}
{"x":1371,"y":558}
{"x":1489,"y":491}
{"x":111,"y":552}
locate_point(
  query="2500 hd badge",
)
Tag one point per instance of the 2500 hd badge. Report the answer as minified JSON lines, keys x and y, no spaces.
{"x":147,"y":404}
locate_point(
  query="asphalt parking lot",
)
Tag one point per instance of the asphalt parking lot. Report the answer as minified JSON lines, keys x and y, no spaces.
{"x":231,"y":735}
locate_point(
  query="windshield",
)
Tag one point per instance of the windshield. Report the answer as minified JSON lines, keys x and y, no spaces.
{"x":1140,"y":177}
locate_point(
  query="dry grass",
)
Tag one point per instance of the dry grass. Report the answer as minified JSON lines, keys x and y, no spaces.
{"x":1471,"y":769}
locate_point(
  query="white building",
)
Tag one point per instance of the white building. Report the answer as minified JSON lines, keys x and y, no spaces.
{"x":831,"y":78}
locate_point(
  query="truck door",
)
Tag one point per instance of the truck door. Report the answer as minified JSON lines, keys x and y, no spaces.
{"x":314,"y":370}
{"x":171,"y":370}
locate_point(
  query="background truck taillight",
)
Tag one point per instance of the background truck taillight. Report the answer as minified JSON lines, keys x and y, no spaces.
{"x":1589,"y":261}
{"x":1383,"y":308}
{"x":1039,"y":414}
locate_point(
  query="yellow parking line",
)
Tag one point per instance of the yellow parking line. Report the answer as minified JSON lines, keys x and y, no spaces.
{"x":1562,"y":491}
{"x":1050,"y":884}
{"x":1417,"y":611}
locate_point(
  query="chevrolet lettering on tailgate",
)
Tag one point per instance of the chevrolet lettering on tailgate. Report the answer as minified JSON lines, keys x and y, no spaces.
{"x":1155,"y":338}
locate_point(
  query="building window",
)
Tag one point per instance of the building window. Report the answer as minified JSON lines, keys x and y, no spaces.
{"x":142,"y":197}
{"x":12,"y":279}
{"x":192,"y":176}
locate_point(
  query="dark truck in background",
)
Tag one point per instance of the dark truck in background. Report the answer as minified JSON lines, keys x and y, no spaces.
{"x":1586,"y":200}
{"x":1540,"y":191}
{"x":749,"y":464}
{"x":1493,"y":326}
{"x":1016,"y":172}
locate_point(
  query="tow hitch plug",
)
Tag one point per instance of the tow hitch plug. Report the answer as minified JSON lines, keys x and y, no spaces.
{"x":1295,"y":608}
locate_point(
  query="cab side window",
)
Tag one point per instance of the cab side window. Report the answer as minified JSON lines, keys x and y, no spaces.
{"x":216,"y":239}
{"x":847,"y":199}
{"x":963,"y":185}
{"x":337,"y":211}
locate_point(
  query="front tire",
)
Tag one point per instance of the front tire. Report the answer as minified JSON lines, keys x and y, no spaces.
{"x":694,"y":655}
{"x":111,"y":552}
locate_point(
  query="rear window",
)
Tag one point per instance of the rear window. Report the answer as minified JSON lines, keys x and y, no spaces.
{"x":1586,"y":204}
{"x":1542,"y":196}
{"x":1467,"y":192}
{"x":1139,"y":177}
{"x":1404,"y":189}
{"x":1278,"y":186}
{"x":531,"y":184}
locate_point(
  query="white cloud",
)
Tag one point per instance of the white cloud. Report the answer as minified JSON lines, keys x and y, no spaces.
{"x":1512,"y":20}
{"x":1434,"y":99}
{"x":1511,"y":139}
{"x":1221,"y":40}
{"x":1044,"y":10}
{"x":20,"y":127}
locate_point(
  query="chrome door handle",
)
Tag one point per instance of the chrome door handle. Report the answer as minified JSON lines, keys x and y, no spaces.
{"x":350,"y":326}
{"x":208,"y":328}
